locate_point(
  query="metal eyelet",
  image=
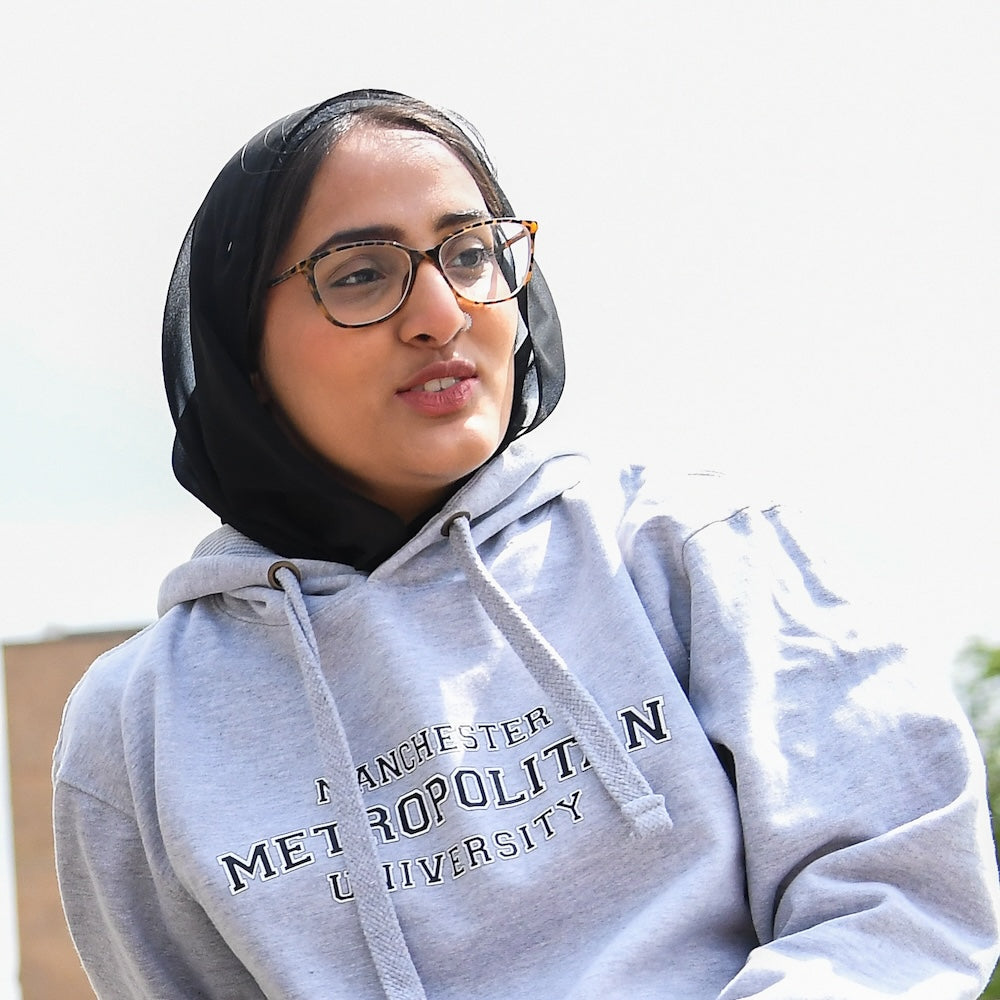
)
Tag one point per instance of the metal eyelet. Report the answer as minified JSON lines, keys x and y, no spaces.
{"x":449,"y":521}
{"x":272,"y":573}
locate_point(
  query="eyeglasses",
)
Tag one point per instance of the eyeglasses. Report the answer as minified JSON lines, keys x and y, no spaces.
{"x":364,"y":283}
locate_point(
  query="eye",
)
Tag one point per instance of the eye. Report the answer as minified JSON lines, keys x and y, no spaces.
{"x":467,"y":254}
{"x":355,"y":272}
{"x":359,"y":276}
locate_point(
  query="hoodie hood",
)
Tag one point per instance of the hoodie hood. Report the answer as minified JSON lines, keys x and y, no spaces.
{"x":234,"y":567}
{"x":250,"y":580}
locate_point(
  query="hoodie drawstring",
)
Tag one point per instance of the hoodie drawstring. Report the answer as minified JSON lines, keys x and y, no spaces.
{"x":644,"y":811}
{"x":376,"y":913}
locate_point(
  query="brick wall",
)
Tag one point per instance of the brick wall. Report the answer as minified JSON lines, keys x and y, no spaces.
{"x":40,"y":676}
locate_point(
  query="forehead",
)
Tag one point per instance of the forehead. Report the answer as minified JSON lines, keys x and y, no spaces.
{"x":392,"y":178}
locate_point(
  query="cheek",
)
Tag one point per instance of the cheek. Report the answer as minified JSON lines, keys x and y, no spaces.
{"x":275,"y":369}
{"x":501,"y":330}
{"x":296,"y":342}
{"x":509,"y":345}
{"x":502,"y":350}
{"x":290,"y":362}
{"x":271,"y":355}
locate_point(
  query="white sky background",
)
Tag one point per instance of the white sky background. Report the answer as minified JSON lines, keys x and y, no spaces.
{"x":771,"y":229}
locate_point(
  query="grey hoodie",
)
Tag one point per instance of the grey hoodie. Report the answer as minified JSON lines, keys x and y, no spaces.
{"x":593,"y":737}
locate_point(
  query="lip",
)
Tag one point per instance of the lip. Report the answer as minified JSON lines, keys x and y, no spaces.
{"x":459,"y":368}
{"x":446,"y":401}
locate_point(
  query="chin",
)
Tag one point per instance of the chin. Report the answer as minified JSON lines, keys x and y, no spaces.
{"x":467,"y":446}
{"x":448,"y":469}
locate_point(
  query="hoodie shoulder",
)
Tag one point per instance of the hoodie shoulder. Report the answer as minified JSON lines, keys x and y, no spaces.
{"x":677,"y":504}
{"x":88,"y":754}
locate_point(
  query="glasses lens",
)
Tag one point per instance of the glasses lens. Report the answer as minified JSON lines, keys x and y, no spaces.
{"x":488,"y":263}
{"x":362,"y":284}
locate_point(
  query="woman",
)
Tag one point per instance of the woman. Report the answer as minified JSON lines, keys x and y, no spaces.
{"x":440,"y":712}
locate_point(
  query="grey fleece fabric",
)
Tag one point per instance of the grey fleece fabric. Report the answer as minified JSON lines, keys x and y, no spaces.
{"x":341,"y":785}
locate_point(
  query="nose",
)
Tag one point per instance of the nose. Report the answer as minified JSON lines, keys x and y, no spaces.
{"x":432,"y":313}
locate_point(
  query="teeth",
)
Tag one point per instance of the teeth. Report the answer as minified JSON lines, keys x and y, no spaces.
{"x":438,"y":384}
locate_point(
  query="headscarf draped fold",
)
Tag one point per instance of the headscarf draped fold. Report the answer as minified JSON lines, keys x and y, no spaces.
{"x":228,"y":449}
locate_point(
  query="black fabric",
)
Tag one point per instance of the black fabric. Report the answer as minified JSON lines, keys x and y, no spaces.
{"x":228,"y":450}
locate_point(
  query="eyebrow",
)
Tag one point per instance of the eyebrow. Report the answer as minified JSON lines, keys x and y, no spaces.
{"x":450,"y":220}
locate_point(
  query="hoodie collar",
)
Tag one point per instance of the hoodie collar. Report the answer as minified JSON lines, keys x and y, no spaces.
{"x":515,"y":482}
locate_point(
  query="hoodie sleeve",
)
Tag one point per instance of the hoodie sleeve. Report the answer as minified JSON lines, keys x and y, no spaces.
{"x":138,"y":931}
{"x":870,"y":862}
{"x":138,"y":936}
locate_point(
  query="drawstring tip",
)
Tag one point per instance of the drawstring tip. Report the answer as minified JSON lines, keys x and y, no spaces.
{"x":647,"y":816}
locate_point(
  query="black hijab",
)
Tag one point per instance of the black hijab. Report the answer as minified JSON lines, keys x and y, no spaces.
{"x":228,"y":450}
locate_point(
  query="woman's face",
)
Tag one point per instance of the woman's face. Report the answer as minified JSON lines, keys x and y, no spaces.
{"x":376,"y":403}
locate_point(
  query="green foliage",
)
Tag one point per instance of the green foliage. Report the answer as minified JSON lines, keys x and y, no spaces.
{"x":979,"y":686}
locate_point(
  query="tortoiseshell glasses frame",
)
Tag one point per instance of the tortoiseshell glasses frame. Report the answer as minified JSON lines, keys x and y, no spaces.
{"x":364,"y":283}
